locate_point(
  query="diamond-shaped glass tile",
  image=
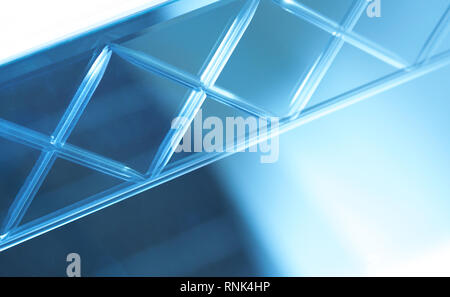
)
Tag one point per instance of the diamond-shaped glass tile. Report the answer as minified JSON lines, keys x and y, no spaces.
{"x":208,"y":132}
{"x":129,"y":114}
{"x":272,"y":57}
{"x":186,"y":41}
{"x":403,"y":26}
{"x":38,"y":100}
{"x":351,"y":68}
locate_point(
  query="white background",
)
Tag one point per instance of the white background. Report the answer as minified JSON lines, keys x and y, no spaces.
{"x":30,"y":24}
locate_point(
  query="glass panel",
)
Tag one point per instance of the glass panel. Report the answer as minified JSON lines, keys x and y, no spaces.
{"x":129,"y":114}
{"x":38,"y":100}
{"x":352,"y":68}
{"x":272,"y":58}
{"x":186,"y":41}
{"x":208,"y":132}
{"x":403,"y":26}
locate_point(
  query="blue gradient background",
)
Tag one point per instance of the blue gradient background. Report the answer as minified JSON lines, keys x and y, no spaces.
{"x":363,"y":191}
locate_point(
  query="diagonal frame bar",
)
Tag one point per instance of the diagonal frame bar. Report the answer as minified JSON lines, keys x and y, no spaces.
{"x":330,"y":26}
{"x":208,"y":78}
{"x":435,"y":37}
{"x":312,"y":80}
{"x":69,"y":152}
{"x":159,"y":67}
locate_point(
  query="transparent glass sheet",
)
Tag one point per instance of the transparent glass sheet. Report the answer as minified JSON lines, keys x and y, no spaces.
{"x":87,"y":122}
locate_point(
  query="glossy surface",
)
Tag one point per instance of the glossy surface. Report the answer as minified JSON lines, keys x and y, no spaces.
{"x":115,"y":98}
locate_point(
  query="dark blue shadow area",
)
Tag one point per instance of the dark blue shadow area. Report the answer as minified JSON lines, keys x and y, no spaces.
{"x":186,"y":227}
